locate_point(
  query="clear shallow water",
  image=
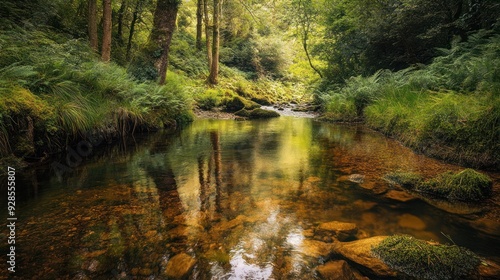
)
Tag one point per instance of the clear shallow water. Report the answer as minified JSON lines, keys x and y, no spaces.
{"x":240,"y":197}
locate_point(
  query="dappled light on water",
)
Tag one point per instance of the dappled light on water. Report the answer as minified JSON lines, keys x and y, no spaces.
{"x":233,"y":200}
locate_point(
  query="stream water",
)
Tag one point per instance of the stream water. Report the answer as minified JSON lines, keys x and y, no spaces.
{"x":240,"y":197}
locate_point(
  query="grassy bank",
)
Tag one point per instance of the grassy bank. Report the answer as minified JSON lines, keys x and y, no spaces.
{"x":449,"y":109}
{"x":54,"y":91}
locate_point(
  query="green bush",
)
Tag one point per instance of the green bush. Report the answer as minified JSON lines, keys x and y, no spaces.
{"x":209,"y":99}
{"x":425,"y":260}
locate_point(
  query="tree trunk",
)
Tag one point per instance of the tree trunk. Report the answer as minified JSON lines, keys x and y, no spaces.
{"x":121,"y":14}
{"x":163,"y":28}
{"x":214,"y":69}
{"x":199,"y":24}
{"x":135,"y":17}
{"x":92,"y":24}
{"x":207,"y":33}
{"x":106,"y":31}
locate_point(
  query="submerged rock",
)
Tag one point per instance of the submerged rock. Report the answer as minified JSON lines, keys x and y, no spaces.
{"x":180,"y":266}
{"x":359,"y":252}
{"x":410,"y":221}
{"x":401,"y":196}
{"x":357,"y":178}
{"x":339,"y":230}
{"x":315,"y":249}
{"x":338,"y":270}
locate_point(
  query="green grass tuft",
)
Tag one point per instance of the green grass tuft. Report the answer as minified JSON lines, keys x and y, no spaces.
{"x":425,"y":260}
{"x":467,"y":185}
{"x":405,"y":179}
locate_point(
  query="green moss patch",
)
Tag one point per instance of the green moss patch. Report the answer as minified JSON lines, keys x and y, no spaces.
{"x":424,"y":260}
{"x":466,"y":185}
{"x":237,"y":103}
{"x":405,"y":179}
{"x":257,"y":114}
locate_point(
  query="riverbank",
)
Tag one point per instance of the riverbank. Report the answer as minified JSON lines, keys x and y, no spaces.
{"x":448,"y":110}
{"x":50,"y":100}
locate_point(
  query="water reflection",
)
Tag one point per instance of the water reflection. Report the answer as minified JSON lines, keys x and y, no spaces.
{"x":241,"y":198}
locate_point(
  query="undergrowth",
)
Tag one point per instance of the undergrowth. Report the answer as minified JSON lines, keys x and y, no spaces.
{"x":449,"y":109}
{"x":54,"y":90}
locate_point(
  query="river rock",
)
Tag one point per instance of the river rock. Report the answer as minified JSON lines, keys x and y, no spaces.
{"x":338,"y":270}
{"x":359,"y":252}
{"x":357,"y":178}
{"x":489,"y":270}
{"x":227,"y":225}
{"x":339,"y":230}
{"x":180,"y":266}
{"x":410,"y":221}
{"x":315,"y":249}
{"x":401,"y":196}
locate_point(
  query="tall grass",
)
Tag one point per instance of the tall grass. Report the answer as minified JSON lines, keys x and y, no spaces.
{"x":57,"y":84}
{"x":449,"y":109}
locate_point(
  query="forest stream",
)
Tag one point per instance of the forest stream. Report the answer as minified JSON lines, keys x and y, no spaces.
{"x":232,"y":200}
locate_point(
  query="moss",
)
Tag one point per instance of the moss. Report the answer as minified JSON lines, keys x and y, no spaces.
{"x":243,"y":113}
{"x":426,"y":260}
{"x":263,"y":114}
{"x":237,"y":103}
{"x":467,"y":185}
{"x":405,"y":179}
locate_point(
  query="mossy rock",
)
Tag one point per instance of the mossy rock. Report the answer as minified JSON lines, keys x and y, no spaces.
{"x":263,"y":114}
{"x":237,"y":103}
{"x":257,"y":114}
{"x":243,"y":113}
{"x":407,"y":180}
{"x":261,"y":100}
{"x":425,"y":260}
{"x":467,"y":185}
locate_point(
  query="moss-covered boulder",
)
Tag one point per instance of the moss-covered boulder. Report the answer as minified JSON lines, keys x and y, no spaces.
{"x":467,"y":185}
{"x":425,"y":260}
{"x":257,"y":113}
{"x":243,"y":113}
{"x":263,"y":114}
{"x":237,"y":103}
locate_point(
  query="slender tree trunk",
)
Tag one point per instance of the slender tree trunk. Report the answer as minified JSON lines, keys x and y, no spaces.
{"x":199,"y":24}
{"x":106,"y":31}
{"x":92,"y":24}
{"x":207,"y":33}
{"x":214,"y":69}
{"x":304,"y":44}
{"x":121,"y":14}
{"x":163,"y":28}
{"x":135,"y":17}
